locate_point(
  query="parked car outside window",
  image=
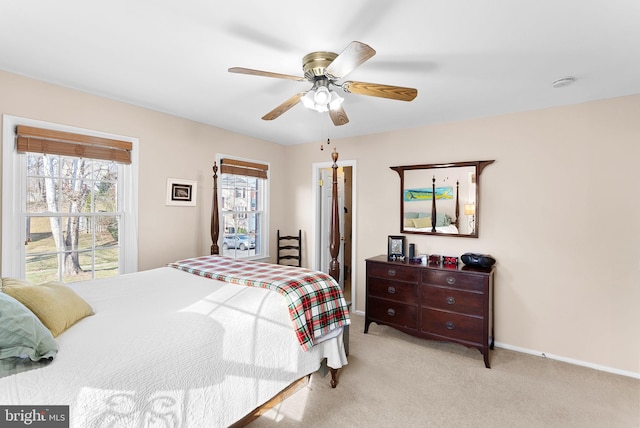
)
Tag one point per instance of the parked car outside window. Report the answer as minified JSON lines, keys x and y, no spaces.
{"x":241,"y":242}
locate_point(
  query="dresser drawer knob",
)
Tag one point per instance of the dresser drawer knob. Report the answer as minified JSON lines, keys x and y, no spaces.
{"x":451,"y":300}
{"x":391,"y":312}
{"x":391,"y":290}
{"x":450,"y":325}
{"x":392,"y":272}
{"x":451,"y":280}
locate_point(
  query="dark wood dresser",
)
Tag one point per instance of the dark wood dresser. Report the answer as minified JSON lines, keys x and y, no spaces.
{"x":432,"y":302}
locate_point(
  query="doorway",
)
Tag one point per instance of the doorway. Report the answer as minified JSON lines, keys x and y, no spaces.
{"x":323,"y":177}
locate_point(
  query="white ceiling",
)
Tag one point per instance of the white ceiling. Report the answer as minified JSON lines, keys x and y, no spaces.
{"x":467,"y":58}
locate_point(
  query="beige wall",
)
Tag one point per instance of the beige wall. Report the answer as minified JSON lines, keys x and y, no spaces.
{"x":169,"y":147}
{"x":558,"y":206}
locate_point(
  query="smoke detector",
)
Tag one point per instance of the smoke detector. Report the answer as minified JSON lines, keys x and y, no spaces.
{"x":565,"y":81}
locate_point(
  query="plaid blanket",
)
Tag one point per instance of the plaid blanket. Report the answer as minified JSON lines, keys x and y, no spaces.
{"x":316,"y":303}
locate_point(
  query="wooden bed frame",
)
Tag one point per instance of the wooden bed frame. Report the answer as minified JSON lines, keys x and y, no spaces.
{"x":334,"y":272}
{"x":456,"y":221}
{"x":334,"y":238}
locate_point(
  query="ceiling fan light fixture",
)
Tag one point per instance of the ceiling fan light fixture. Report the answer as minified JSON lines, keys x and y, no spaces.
{"x":336,"y":101}
{"x":322,"y":96}
{"x":307,"y":99}
{"x":321,"y":99}
{"x":321,"y":108}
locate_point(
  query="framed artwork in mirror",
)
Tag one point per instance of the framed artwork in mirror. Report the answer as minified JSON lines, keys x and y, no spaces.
{"x":396,"y":247}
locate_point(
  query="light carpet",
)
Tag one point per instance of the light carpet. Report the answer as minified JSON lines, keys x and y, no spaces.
{"x":396,"y":380}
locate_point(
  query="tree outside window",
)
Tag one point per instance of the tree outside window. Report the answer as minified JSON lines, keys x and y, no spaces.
{"x":72,"y":218}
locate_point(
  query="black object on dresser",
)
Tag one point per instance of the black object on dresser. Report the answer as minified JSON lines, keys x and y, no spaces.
{"x":453,"y":304}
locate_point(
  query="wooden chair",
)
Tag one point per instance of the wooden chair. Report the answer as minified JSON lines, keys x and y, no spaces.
{"x":290,"y":248}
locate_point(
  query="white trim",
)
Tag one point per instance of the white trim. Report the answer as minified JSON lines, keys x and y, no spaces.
{"x":10,"y":201}
{"x":315,"y":255}
{"x":555,"y":357}
{"x":130,"y":207}
{"x":13,"y":238}
{"x":568,"y":360}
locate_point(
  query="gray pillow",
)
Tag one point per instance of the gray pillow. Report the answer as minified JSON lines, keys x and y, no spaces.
{"x":22,"y":334}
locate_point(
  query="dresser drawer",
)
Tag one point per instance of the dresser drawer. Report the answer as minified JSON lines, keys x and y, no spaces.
{"x":452,"y":325}
{"x":393,"y":290}
{"x":453,"y":279}
{"x":431,"y":302}
{"x":389,"y":312}
{"x":394,"y":272}
{"x":451,"y":299}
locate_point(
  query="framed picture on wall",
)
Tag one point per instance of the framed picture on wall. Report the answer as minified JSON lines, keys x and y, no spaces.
{"x":396,"y":247}
{"x":181,"y":192}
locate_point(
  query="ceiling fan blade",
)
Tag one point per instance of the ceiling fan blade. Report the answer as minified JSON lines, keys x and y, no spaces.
{"x":253,"y":72}
{"x":338,"y":116}
{"x":276,"y":112}
{"x":350,"y":58}
{"x":384,"y":91}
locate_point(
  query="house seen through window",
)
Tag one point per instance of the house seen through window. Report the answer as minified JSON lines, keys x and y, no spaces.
{"x":243,"y":199}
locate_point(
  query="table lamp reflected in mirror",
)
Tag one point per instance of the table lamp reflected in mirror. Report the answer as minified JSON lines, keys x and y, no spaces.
{"x":470,"y":210}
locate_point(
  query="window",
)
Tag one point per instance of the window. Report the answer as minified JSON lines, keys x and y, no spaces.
{"x":66,"y":218}
{"x":243,"y":194}
{"x":72,"y":218}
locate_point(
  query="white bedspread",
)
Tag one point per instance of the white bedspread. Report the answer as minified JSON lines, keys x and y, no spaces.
{"x":439,"y":229}
{"x":168,"y":348}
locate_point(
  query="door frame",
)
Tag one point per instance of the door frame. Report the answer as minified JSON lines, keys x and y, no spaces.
{"x":315,"y":176}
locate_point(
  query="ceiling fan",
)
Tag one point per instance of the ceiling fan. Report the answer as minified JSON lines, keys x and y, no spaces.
{"x":323,"y":70}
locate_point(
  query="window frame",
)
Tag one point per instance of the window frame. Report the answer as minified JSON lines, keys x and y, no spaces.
{"x":264,"y":224}
{"x":14,"y":175}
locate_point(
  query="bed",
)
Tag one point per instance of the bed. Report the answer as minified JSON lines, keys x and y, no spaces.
{"x":202,"y":342}
{"x":431,"y":220}
{"x":421,"y":222}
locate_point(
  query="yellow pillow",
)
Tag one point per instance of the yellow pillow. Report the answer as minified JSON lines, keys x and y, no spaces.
{"x":55,"y":304}
{"x":422,"y":222}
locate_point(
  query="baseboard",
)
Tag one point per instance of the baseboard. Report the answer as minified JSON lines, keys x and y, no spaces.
{"x":557,"y":357}
{"x":569,"y":360}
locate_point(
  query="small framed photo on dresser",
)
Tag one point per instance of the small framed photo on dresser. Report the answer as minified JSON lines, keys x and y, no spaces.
{"x":396,"y":247}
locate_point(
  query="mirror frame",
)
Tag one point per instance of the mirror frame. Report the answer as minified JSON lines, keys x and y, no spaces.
{"x":479,"y":166}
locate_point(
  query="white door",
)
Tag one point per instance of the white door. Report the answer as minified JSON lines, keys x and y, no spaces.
{"x":326,"y":188}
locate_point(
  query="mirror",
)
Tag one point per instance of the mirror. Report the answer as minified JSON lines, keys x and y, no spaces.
{"x":441,"y":199}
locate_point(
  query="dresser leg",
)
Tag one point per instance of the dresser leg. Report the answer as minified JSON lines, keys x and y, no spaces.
{"x":486,"y":360}
{"x":366,"y":326}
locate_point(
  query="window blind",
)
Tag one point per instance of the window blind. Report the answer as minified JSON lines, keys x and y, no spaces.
{"x":238,"y":167}
{"x":47,"y":141}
